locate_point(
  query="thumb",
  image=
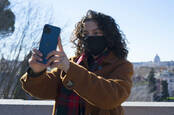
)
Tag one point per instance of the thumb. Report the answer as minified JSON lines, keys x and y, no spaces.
{"x":60,"y":44}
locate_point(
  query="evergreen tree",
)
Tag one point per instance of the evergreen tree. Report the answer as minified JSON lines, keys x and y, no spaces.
{"x":7,"y":18}
{"x":151,"y":81}
{"x":165,"y":93}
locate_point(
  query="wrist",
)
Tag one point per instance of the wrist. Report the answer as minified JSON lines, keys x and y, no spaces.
{"x":31,"y":73}
{"x":67,"y":68}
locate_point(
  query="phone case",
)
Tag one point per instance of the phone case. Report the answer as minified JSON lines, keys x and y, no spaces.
{"x":49,"y":40}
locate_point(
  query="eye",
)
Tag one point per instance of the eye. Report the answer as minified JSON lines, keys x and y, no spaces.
{"x":98,"y":33}
{"x":85,"y":33}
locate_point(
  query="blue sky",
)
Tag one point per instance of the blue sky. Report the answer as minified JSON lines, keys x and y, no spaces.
{"x":147,"y":24}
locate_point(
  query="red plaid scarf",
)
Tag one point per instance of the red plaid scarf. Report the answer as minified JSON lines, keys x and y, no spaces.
{"x":68,"y":102}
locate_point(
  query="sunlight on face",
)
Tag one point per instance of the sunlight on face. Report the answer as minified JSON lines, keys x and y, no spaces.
{"x":91,"y":29}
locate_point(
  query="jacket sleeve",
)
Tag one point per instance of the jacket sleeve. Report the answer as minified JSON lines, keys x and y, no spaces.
{"x":44,"y":86}
{"x":104,"y":93}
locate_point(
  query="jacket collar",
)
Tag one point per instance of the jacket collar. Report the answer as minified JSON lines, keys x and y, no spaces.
{"x":110,"y":58}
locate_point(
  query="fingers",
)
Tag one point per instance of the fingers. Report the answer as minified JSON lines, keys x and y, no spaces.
{"x":56,"y":64}
{"x":54,"y":59}
{"x":36,"y":56}
{"x":37,"y":52}
{"x":59,"y":53}
{"x":34,"y":61}
{"x":31,"y":62}
{"x":60,"y":44}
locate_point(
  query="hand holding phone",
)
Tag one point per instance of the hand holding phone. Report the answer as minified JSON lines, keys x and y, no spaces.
{"x":34,"y":63}
{"x":58,"y":58}
{"x":48,"y":42}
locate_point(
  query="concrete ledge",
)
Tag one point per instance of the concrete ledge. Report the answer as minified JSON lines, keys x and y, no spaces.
{"x":25,"y":102}
{"x":23,"y":107}
{"x":35,"y":107}
{"x":148,"y":108}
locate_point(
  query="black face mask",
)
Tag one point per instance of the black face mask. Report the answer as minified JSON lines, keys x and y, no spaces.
{"x":95,"y":44}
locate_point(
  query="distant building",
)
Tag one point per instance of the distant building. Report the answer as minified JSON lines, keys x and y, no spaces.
{"x":157,"y":59}
{"x":155,"y":63}
{"x":169,"y":77}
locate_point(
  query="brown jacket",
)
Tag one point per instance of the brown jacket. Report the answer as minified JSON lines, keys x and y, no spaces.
{"x":104,"y":90}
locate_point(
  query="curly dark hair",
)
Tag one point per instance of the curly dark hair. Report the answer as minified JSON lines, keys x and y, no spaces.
{"x":115,"y":38}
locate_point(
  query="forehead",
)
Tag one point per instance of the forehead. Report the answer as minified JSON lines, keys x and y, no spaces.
{"x":90,"y":25}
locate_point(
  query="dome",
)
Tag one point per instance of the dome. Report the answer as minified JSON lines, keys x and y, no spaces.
{"x":157,"y":59}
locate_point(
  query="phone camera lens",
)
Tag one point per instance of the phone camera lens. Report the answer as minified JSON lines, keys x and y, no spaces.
{"x":47,"y":30}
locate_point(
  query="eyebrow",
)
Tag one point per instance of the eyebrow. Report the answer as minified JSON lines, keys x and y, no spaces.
{"x":93,"y":29}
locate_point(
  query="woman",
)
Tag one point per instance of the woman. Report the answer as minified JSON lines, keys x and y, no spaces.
{"x":94,"y":82}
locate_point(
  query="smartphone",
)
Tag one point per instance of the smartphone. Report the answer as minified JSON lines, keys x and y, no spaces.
{"x":49,"y":40}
